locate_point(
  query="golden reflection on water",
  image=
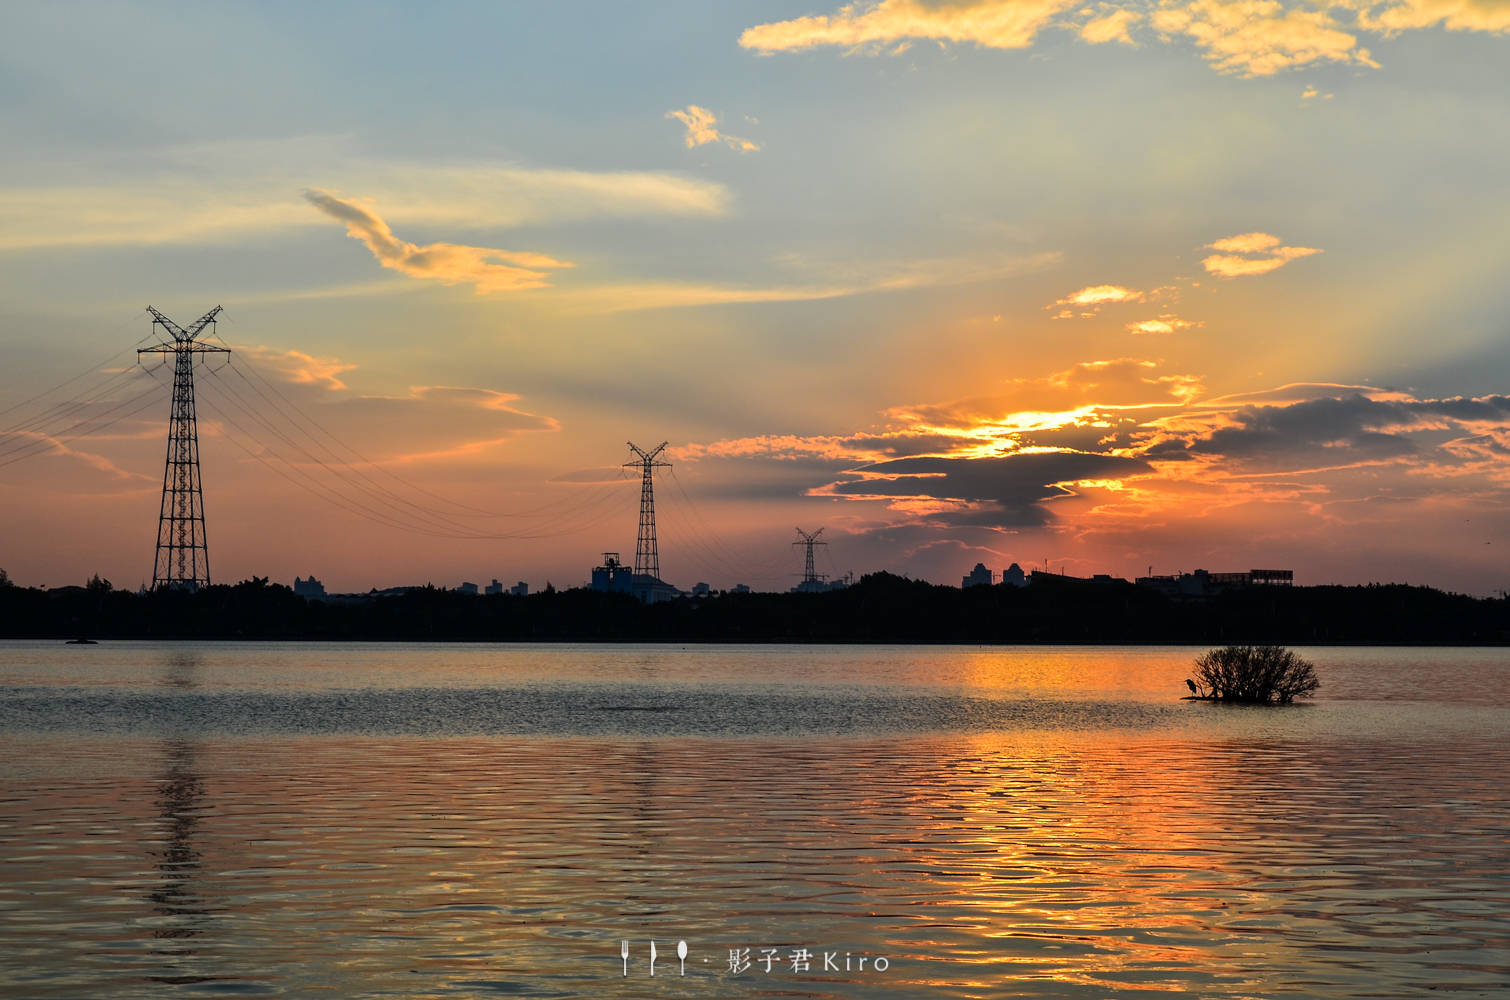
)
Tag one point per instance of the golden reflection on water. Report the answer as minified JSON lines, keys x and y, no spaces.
{"x":1022,"y":865}
{"x":1358,"y":847}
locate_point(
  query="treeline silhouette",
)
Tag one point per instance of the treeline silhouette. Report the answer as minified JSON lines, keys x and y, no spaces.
{"x":879,"y":608}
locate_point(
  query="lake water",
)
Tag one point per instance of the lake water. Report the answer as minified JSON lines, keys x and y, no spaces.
{"x":185,"y":820}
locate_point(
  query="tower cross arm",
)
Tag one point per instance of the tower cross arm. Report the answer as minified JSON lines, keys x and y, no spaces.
{"x":181,"y":335}
{"x":202,"y":322}
{"x":173,"y":328}
{"x":647,"y":458}
{"x":192,"y":348}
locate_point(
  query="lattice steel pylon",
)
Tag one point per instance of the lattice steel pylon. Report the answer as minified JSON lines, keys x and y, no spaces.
{"x":810,"y":578}
{"x":647,"y":558}
{"x":183,"y":556}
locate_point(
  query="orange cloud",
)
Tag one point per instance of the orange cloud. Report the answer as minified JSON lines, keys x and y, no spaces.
{"x":1087,"y":302}
{"x":300,"y":368}
{"x":997,"y":24}
{"x":1167,"y":323}
{"x":487,"y":269}
{"x":1095,"y":295}
{"x":1260,"y":37}
{"x":425,"y":424}
{"x":700,"y":124}
{"x":1261,"y":253}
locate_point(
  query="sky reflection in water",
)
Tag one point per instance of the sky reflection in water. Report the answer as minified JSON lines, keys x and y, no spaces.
{"x":1333,"y":850}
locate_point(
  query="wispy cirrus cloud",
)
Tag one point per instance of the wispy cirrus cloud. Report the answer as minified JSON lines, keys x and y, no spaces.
{"x":486,"y":269}
{"x":486,"y":419}
{"x":424,"y":423}
{"x":885,"y":276}
{"x":702,"y":128}
{"x":298,"y":367}
{"x":208,"y":194}
{"x":1249,"y":254}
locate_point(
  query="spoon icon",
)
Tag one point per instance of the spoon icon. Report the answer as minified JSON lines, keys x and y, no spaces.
{"x":681,"y":953}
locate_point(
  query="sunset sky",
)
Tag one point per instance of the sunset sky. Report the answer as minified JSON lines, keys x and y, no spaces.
{"x":1157,"y":283}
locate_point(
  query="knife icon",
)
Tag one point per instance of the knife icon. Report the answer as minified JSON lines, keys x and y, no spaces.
{"x":652,"y":958}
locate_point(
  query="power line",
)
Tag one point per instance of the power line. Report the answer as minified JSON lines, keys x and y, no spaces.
{"x":38,"y":445}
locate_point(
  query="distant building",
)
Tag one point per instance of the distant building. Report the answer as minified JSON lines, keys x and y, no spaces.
{"x":1204,"y":584}
{"x":1271,"y":577}
{"x":1014,"y":576}
{"x":470,"y":589}
{"x":740,"y":588}
{"x":310,"y":590}
{"x":977,"y":577}
{"x":653,"y":590}
{"x":614,"y":577}
{"x":701,"y":589}
{"x":1043,"y":578}
{"x":820,"y":585}
{"x":494,"y":588}
{"x":392,"y":591}
{"x":520,"y":589}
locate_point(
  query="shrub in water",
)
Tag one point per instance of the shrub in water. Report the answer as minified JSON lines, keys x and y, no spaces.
{"x":1259,"y":675}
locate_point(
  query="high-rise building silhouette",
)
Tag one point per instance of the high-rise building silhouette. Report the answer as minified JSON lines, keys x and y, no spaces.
{"x":183,"y":555}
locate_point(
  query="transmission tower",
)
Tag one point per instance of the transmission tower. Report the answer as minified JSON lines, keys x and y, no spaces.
{"x":183,"y":557}
{"x":810,"y":579}
{"x":647,"y":558}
